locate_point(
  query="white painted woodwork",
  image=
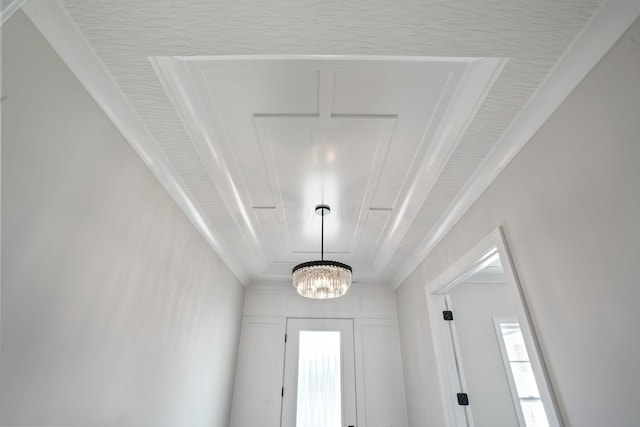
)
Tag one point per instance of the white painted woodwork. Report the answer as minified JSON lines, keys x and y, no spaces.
{"x":279,"y":135}
{"x":569,"y":205}
{"x":605,"y":28}
{"x":565,"y":198}
{"x":379,"y":378}
{"x":379,"y":369}
{"x":490,"y":251}
{"x":281,"y":300}
{"x":257,"y":391}
{"x":65,"y":38}
{"x":474,"y":306}
{"x":218,"y":165}
{"x":8,"y":8}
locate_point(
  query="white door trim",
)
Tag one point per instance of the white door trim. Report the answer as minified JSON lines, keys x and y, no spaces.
{"x":473,"y":261}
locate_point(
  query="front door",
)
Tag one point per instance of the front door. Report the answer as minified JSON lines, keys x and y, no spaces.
{"x":319,"y":374}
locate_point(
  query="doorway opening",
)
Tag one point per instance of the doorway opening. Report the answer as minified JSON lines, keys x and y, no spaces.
{"x":490,"y":368}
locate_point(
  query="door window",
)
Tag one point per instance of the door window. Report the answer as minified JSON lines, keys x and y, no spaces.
{"x":522,"y":380}
{"x":319,"y":402}
{"x":319,"y":374}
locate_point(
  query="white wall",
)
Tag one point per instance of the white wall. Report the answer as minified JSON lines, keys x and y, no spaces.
{"x":570,"y":205}
{"x":115,"y":311}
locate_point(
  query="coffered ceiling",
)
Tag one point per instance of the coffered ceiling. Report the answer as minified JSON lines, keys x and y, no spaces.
{"x":397,"y":114}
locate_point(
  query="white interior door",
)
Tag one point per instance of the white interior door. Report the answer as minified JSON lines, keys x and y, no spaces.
{"x":319,"y":374}
{"x":492,"y":359}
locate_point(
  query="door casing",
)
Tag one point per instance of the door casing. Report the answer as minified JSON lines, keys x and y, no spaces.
{"x":450,"y":380}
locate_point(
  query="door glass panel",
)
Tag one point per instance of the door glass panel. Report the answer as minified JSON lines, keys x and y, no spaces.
{"x":514,"y":342}
{"x":521,"y":371}
{"x":534,"y":415}
{"x":524,"y":379}
{"x":319,"y":389}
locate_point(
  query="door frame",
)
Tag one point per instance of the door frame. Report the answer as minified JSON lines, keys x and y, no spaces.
{"x":450,"y":380}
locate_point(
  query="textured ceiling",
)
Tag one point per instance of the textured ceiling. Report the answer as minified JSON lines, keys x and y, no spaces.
{"x":532,"y":35}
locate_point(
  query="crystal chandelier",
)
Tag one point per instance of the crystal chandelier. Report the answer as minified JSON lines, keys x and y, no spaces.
{"x":322,"y":279}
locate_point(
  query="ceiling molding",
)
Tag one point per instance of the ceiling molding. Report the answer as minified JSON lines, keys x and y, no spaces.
{"x":52,"y":20}
{"x":8,"y":8}
{"x":213,"y":119}
{"x":183,"y":93}
{"x":604,"y":29}
{"x":475,"y":84}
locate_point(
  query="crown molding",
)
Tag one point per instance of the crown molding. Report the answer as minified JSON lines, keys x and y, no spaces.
{"x":8,"y":8}
{"x":52,"y":20}
{"x":604,"y":29}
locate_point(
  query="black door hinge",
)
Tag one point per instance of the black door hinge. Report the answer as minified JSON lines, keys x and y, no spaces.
{"x":282,"y":394}
{"x":285,"y":337}
{"x":447,"y":314}
{"x":463,"y":399}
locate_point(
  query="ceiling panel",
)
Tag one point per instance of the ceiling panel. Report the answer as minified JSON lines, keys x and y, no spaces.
{"x":236,"y":94}
{"x":413,"y":96}
{"x":283,"y":134}
{"x":332,"y":160}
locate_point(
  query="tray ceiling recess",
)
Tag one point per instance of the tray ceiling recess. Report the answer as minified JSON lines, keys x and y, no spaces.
{"x":278,"y":135}
{"x":400,"y":147}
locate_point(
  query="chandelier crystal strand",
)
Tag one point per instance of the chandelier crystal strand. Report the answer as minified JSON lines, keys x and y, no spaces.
{"x":322,"y":279}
